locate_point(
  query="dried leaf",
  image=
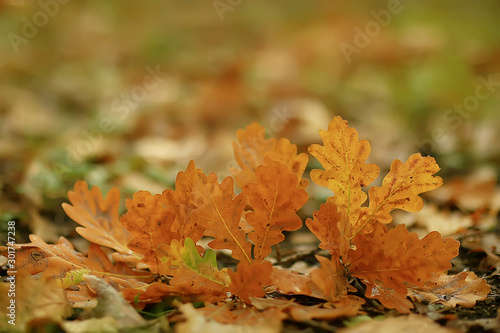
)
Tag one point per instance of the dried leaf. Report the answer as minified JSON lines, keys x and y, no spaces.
{"x":275,"y":199}
{"x":99,"y":218}
{"x":150,"y":222}
{"x":331,"y":279}
{"x":344,"y":307}
{"x":184,"y":200}
{"x":220,"y":216}
{"x":250,"y":280}
{"x":112,"y":304}
{"x":409,"y":324}
{"x":400,"y":189}
{"x":253,"y":149}
{"x":329,"y":225}
{"x":60,"y":262}
{"x":395,"y":258}
{"x":32,"y":301}
{"x":219,"y":319}
{"x":464,"y":289}
{"x":343,"y":156}
{"x":289,"y":282}
{"x":192,"y":274}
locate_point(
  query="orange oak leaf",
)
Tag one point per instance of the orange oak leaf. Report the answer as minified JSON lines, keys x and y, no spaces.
{"x":253,"y":149}
{"x":400,"y":189}
{"x":343,"y":158}
{"x":184,"y":200}
{"x":192,"y":274}
{"x":220,"y":216}
{"x":275,"y":200}
{"x":464,"y":289}
{"x":250,"y":280}
{"x":328,"y":224}
{"x":151,"y":293}
{"x":99,"y":219}
{"x":222,"y":318}
{"x":345,"y":307}
{"x":331,"y":279}
{"x":393,"y":260}
{"x":60,"y":262}
{"x":150,"y":222}
{"x":289,"y":282}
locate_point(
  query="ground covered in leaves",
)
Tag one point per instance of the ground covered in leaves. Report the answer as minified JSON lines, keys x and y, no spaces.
{"x":125,"y":95}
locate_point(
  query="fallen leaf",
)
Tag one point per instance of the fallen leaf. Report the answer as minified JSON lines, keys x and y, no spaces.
{"x":253,"y":149}
{"x":30,"y":301}
{"x":275,"y":200}
{"x":464,"y":289}
{"x":150,"y":222}
{"x":409,"y":324}
{"x":250,"y":280}
{"x":99,"y":218}
{"x":220,"y":216}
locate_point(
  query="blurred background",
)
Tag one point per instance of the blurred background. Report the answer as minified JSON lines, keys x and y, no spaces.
{"x":125,"y":93}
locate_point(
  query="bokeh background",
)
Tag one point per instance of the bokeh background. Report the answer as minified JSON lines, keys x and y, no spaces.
{"x":125,"y":93}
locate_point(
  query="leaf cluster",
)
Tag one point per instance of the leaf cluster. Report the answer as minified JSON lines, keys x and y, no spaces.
{"x":151,"y":251}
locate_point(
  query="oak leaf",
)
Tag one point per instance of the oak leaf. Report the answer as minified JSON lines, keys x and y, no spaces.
{"x":250,"y":280}
{"x":191,"y":273}
{"x":464,"y":289}
{"x":253,"y":149}
{"x":184,"y":200}
{"x":60,"y":262}
{"x":275,"y":198}
{"x":99,"y":219}
{"x":150,"y":222}
{"x":331,"y":279}
{"x":329,"y":226}
{"x":343,"y":158}
{"x":220,"y":216}
{"x":400,"y":189}
{"x":395,"y":259}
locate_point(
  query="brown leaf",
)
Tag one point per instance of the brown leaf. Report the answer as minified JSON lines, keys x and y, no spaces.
{"x":220,"y":319}
{"x":275,"y":199}
{"x":184,"y":200}
{"x":329,"y":226}
{"x":253,"y":149}
{"x":395,"y":258}
{"x":99,"y":218}
{"x":112,"y":304}
{"x":400,"y":189}
{"x":343,"y":156}
{"x":345,"y":307}
{"x":32,"y":301}
{"x":464,"y":289}
{"x":150,"y":222}
{"x":250,"y":280}
{"x":331,"y":279}
{"x":220,"y":216}
{"x":60,"y":262}
{"x":289,"y":282}
{"x":409,"y":324}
